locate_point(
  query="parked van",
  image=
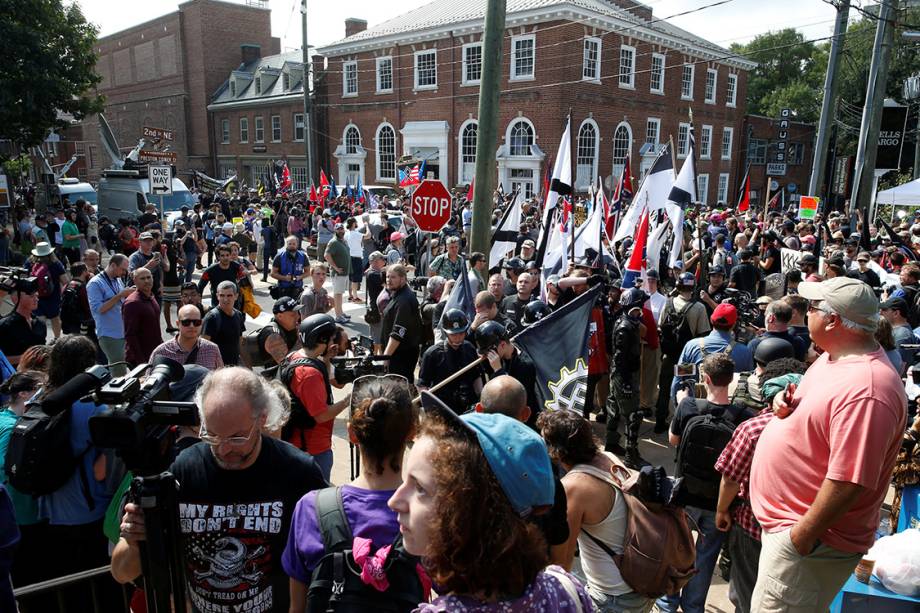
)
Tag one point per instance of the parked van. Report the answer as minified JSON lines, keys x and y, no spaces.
{"x":124,"y":194}
{"x":70,"y":188}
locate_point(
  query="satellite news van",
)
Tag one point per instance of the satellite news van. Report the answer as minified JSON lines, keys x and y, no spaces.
{"x":124,"y":189}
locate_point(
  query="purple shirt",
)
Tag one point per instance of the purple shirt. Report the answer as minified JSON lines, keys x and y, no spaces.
{"x":546,"y":593}
{"x":367,"y":514}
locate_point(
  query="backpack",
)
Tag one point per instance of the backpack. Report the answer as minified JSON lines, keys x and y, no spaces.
{"x":336,"y":583}
{"x":742,"y":395}
{"x":675,"y":329}
{"x":300,"y":416}
{"x":658,"y":548}
{"x":42,"y":273}
{"x":703,"y":439}
{"x":39,"y":458}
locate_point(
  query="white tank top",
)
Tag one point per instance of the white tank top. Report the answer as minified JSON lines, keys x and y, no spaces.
{"x":599,"y":568}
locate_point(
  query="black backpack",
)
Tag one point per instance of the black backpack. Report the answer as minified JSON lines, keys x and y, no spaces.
{"x":39,"y":459}
{"x":336,"y":583}
{"x":675,"y":329}
{"x":702,"y":441}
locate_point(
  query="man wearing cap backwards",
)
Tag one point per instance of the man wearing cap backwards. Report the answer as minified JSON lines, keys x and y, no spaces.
{"x":279,"y":338}
{"x":338,"y":257}
{"x":895,"y":310}
{"x":819,"y":475}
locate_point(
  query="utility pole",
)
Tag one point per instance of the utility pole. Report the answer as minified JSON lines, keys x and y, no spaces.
{"x":307,"y":105}
{"x":484,"y":187}
{"x":816,"y":181}
{"x":864,"y":176}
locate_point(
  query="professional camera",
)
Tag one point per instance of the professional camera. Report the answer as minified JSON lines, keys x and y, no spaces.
{"x":748,"y":312}
{"x":418,"y":283}
{"x":363,"y":362}
{"x":140,"y":418}
{"x":14,"y":279}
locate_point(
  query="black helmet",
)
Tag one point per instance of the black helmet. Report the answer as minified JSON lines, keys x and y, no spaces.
{"x":535,"y":311}
{"x":316,"y":329}
{"x":632,"y":298}
{"x":489,"y":335}
{"x":772,"y":348}
{"x":455,"y":321}
{"x":515,"y":264}
{"x":685,"y":279}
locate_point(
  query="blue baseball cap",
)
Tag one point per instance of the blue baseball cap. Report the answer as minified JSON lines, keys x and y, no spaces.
{"x":515,"y":453}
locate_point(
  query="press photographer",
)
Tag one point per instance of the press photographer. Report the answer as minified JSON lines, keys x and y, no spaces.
{"x":20,"y":329}
{"x":237,"y":492}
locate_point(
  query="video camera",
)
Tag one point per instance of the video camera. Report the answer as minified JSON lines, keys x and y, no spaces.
{"x":15,"y":279}
{"x":418,"y":283}
{"x":364,"y":362}
{"x":748,"y":312}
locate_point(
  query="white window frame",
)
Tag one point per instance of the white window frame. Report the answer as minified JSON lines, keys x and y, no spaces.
{"x":655,"y":57}
{"x":415,"y":60}
{"x":303,"y":127}
{"x":346,"y":67}
{"x":657,"y":122}
{"x":465,"y":65}
{"x":731,"y":94}
{"x":722,"y":188}
{"x":728,"y":137}
{"x":702,"y":187}
{"x":592,"y":173}
{"x":684,"y":96}
{"x":224,"y":131}
{"x":705,"y":142}
{"x":596,"y":77}
{"x":514,"y":76}
{"x":461,"y":178}
{"x":617,"y":167}
{"x":377,"y":151}
{"x":683,"y":151}
{"x":510,"y":129}
{"x":377,"y":72}
{"x":244,"y":130}
{"x":709,"y":94}
{"x":273,"y":118}
{"x":630,"y":82}
{"x":258,"y":126}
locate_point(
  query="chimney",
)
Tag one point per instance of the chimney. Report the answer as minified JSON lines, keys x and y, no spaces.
{"x":250,"y":52}
{"x":353,"y":25}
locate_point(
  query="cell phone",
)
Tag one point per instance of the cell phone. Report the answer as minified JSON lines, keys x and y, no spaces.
{"x":685,"y":370}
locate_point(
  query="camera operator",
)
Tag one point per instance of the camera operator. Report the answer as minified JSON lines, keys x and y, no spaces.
{"x":237,"y":493}
{"x":493,"y":340}
{"x":20,"y":330}
{"x":307,"y":375}
{"x":402,"y":325}
{"x":289,"y":268}
{"x":446,"y":357}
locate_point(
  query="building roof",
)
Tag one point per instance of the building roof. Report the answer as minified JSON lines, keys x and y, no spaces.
{"x":434,"y":19}
{"x":270,"y":68}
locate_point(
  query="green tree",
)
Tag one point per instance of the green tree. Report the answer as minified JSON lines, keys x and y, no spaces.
{"x":789,"y":74}
{"x":14,"y":168}
{"x":47,"y":68}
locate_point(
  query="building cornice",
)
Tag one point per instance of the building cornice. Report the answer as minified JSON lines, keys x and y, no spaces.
{"x":250,"y":102}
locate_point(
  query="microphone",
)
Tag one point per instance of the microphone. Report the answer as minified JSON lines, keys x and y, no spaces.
{"x":62,"y":398}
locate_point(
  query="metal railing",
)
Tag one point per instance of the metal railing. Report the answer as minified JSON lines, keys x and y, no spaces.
{"x":40,"y":594}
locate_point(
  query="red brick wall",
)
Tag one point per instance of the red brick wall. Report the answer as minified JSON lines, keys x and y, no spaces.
{"x":798,"y":174}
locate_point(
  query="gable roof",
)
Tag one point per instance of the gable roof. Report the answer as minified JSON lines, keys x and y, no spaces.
{"x":439,"y":17}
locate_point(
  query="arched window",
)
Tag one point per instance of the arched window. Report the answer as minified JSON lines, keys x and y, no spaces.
{"x":352,"y":139}
{"x":586,"y":155}
{"x":468,"y":139}
{"x":386,"y":152}
{"x":622,"y":143}
{"x":520,"y":138}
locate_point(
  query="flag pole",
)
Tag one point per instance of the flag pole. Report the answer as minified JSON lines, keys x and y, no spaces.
{"x":766,"y":199}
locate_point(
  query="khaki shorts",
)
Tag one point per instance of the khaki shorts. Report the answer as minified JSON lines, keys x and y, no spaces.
{"x":339,"y":284}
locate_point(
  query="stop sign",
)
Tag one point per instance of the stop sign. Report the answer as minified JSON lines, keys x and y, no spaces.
{"x":431,"y":205}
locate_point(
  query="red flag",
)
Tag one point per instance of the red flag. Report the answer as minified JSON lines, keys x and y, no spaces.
{"x":285,"y":177}
{"x":313,"y":196}
{"x":469,"y":192}
{"x":744,"y":195}
{"x":323,"y":183}
{"x":621,"y":193}
{"x":636,"y":263}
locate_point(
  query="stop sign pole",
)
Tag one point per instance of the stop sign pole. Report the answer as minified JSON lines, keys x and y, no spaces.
{"x":431,"y":205}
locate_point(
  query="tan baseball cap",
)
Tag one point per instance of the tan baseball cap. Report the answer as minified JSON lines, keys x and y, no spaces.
{"x":851,"y":298}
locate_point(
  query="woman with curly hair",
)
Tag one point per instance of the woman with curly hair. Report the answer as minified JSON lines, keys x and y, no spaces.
{"x":382,"y":422}
{"x":471,"y":482}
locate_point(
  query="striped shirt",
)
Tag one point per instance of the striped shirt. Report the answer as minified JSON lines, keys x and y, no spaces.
{"x":208,"y":353}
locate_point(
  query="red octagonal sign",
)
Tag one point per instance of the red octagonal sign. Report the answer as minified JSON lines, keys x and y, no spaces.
{"x":431,"y":205}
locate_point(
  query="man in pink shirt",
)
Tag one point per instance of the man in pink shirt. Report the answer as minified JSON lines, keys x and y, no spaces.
{"x":819,"y":476}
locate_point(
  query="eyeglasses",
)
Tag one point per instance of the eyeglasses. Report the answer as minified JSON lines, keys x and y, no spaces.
{"x":216,"y":441}
{"x":190,"y":322}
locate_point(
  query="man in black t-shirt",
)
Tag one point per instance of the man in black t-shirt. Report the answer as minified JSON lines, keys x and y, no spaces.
{"x":401,"y":331}
{"x":20,"y":330}
{"x":513,"y":306}
{"x":237,"y":492}
{"x":771,"y":260}
{"x":225,"y":325}
{"x":744,"y":276}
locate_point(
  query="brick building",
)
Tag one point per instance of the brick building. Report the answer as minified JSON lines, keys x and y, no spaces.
{"x":410,"y":87}
{"x":162,"y":73}
{"x":258,"y":117}
{"x":762,"y":135}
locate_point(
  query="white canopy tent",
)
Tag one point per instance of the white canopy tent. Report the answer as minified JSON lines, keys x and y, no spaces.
{"x":905,"y":194}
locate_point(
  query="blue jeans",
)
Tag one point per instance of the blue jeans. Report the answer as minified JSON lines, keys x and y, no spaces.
{"x":324,"y":461}
{"x":625,"y":603}
{"x":692,"y":599}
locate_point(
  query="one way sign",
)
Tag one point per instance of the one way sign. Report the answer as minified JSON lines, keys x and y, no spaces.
{"x":160,"y":180}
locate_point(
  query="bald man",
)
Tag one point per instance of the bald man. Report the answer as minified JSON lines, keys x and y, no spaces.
{"x":504,"y":395}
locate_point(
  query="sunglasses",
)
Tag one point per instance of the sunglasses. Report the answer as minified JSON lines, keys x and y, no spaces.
{"x":190,"y":322}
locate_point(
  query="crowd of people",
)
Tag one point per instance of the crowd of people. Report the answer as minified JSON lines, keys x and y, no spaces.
{"x":772,"y":339}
